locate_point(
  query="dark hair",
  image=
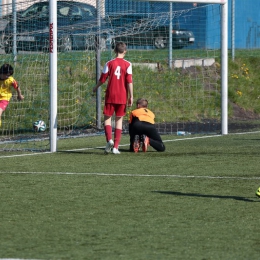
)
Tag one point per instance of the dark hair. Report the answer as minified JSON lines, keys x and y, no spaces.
{"x":142,"y":102}
{"x":7,"y":69}
{"x":120,"y":47}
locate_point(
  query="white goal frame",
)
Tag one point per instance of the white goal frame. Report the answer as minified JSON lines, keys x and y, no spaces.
{"x":224,"y":55}
{"x":53,"y":74}
{"x":53,"y":64}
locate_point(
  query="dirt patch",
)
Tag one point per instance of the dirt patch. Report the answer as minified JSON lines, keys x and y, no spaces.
{"x":241,"y":113}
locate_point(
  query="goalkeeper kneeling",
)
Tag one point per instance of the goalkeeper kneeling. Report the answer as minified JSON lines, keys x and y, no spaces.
{"x":142,"y":130}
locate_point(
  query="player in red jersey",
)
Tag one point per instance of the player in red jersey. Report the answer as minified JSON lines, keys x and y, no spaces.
{"x":119,"y":92}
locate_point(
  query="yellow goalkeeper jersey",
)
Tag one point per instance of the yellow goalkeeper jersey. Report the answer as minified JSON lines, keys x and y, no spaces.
{"x":6,"y":87}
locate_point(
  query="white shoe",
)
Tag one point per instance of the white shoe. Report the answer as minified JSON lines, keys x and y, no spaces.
{"x":109,"y":146}
{"x":115,"y":151}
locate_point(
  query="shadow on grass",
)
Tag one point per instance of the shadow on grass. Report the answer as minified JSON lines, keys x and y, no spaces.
{"x":90,"y":151}
{"x":176,"y":193}
{"x":96,"y":150}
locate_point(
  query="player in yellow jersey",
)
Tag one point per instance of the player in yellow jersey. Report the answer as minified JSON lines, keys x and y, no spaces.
{"x":142,"y":130}
{"x":7,"y":83}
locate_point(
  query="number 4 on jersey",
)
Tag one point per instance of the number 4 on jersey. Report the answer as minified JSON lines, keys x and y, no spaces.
{"x":118,"y":72}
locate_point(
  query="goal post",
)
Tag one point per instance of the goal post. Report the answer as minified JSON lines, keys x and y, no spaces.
{"x":53,"y":74}
{"x":224,"y":55}
{"x":224,"y":69}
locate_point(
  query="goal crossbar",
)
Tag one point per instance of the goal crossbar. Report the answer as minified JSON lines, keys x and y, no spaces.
{"x":188,"y":1}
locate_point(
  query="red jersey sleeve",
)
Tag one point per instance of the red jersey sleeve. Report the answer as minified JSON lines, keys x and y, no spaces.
{"x":129,"y":78}
{"x":15,"y":84}
{"x":104,"y":74}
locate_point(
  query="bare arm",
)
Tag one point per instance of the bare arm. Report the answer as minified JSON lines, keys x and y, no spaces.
{"x":97,"y":86}
{"x":130,"y":94}
{"x":19,"y":94}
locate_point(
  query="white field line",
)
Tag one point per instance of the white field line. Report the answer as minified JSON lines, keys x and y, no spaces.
{"x":165,"y":141}
{"x":138,"y":175}
{"x":101,"y":147}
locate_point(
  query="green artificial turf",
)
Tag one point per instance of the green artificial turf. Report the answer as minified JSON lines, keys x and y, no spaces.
{"x":194,"y":201}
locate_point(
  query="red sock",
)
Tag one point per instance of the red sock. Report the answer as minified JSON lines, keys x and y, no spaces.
{"x":117,"y":138}
{"x":108,"y":132}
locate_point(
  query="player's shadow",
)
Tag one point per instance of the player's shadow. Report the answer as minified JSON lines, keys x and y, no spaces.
{"x":95,"y":150}
{"x":87,"y":151}
{"x":176,"y":193}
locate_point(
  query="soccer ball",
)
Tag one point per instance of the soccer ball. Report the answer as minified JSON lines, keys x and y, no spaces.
{"x":257,"y":193}
{"x":39,"y":126}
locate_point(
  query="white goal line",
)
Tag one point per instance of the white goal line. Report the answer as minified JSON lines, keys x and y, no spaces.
{"x":176,"y":176}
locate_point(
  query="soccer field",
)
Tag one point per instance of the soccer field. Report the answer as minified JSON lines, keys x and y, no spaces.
{"x":194,"y":201}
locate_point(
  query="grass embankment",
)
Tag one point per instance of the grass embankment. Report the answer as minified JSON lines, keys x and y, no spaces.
{"x":244,"y":83}
{"x":174,"y":95}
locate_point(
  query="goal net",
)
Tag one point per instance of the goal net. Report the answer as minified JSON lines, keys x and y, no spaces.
{"x":174,"y":49}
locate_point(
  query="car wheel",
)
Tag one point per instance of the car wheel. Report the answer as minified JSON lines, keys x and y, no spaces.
{"x":113,"y":43}
{"x":103,"y":42}
{"x":160,"y":42}
{"x":8,"y":49}
{"x":90,"y":42}
{"x":65,"y":44}
{"x":2,"y":41}
{"x":45,"y":49}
